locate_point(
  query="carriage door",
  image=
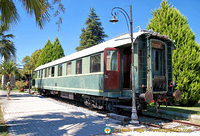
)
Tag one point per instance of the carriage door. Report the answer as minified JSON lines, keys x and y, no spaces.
{"x":158,"y":66}
{"x":111,"y":68}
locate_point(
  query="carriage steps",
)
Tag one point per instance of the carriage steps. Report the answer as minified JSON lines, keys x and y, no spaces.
{"x":123,"y":119}
{"x":129,"y":108}
{"x":125,"y":98}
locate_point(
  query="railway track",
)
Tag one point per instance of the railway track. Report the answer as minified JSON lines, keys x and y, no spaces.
{"x":170,"y":124}
{"x":172,"y":120}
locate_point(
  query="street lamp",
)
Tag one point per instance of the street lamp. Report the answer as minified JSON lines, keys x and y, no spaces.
{"x":134,"y":117}
{"x":29,"y":81}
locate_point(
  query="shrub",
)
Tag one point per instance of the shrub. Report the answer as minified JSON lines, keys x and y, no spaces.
{"x":21,"y":84}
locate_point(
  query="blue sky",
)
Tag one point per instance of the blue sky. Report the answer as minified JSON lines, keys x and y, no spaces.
{"x":29,"y":37}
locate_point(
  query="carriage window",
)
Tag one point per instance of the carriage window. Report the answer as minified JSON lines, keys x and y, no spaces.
{"x":52,"y":71}
{"x":45,"y":72}
{"x":60,"y":70}
{"x":140,"y":59}
{"x":79,"y":67}
{"x":48,"y":72}
{"x":42,"y":73}
{"x":36,"y":74}
{"x":69,"y":68}
{"x":156,"y":55}
{"x":95,"y":63}
{"x":111,"y":61}
{"x":39,"y":74}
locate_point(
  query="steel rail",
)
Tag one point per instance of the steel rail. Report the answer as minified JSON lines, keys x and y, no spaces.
{"x":171,"y":120}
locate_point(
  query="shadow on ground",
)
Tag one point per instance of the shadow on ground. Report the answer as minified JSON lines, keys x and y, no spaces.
{"x":57,"y":124}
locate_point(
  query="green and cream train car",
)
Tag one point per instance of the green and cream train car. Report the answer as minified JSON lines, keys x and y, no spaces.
{"x":101,"y":75}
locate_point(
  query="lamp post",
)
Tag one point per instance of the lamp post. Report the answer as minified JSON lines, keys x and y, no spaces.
{"x":29,"y":82}
{"x":129,"y":21}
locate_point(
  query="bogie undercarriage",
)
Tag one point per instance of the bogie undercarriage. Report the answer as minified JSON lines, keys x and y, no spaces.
{"x":109,"y":104}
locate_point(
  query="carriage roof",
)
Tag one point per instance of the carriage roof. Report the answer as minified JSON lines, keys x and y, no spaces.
{"x":112,"y":43}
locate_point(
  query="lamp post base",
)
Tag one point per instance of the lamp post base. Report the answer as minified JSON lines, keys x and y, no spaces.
{"x":134,"y":117}
{"x":134,"y":122}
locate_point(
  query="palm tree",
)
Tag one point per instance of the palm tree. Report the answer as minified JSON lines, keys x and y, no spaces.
{"x":7,"y":49}
{"x":40,"y":9}
{"x":9,"y":69}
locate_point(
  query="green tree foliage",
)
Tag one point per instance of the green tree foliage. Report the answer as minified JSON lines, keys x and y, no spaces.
{"x":20,"y":75}
{"x":27,"y":66}
{"x":30,"y":62}
{"x":93,"y":34}
{"x":34,"y":58}
{"x":8,"y":68}
{"x":57,"y":50}
{"x":46,"y":54}
{"x":7,"y":49}
{"x":50,"y":52}
{"x":168,"y":20}
{"x":40,"y":8}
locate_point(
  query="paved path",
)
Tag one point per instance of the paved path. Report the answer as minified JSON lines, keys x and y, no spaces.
{"x":30,"y":115}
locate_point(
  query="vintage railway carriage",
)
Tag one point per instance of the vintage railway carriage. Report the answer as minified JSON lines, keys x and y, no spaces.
{"x":102,"y":74}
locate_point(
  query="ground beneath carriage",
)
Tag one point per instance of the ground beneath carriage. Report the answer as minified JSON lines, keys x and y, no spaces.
{"x":35,"y":115}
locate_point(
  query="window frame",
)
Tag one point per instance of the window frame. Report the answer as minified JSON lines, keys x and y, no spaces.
{"x":60,"y":67}
{"x":49,"y":71}
{"x":67,"y":65}
{"x":36,"y":74}
{"x":93,"y":66}
{"x":79,"y":71}
{"x":110,"y":62}
{"x":52,"y":71}
{"x":157,"y":60}
{"x":41,"y":73}
{"x":45,"y":72}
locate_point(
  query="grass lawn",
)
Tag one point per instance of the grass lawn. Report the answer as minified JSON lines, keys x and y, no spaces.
{"x":3,"y":127}
{"x":189,"y":110}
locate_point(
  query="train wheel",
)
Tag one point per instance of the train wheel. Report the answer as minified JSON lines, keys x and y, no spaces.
{"x":139,"y":108}
{"x":109,"y":107}
{"x":87,"y":102}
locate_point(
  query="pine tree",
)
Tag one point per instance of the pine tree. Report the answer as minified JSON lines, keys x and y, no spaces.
{"x":93,"y":34}
{"x":168,"y":20}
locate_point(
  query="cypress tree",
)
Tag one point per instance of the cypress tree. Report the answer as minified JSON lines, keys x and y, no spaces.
{"x":57,"y":50}
{"x":168,"y":20}
{"x":50,"y":52}
{"x":93,"y":34}
{"x":46,"y":54}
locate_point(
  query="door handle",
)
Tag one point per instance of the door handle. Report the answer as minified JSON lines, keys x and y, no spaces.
{"x":105,"y":76}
